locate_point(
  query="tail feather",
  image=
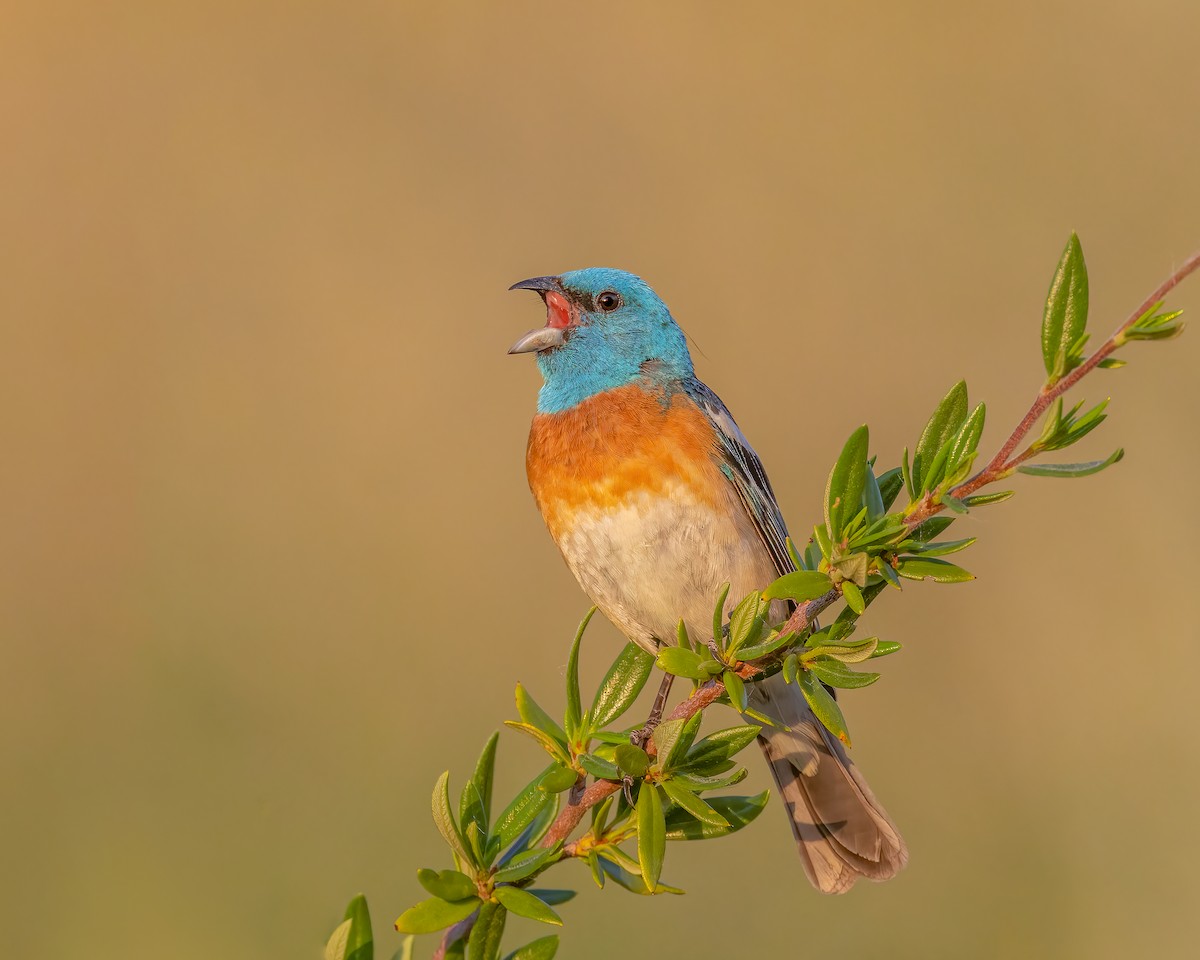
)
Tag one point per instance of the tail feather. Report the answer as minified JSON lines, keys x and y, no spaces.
{"x":841,"y":830}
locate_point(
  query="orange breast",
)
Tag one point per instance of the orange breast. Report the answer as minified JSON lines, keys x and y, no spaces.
{"x":618,"y":445}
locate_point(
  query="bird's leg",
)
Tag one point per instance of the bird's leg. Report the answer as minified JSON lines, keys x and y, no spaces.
{"x":639,"y":738}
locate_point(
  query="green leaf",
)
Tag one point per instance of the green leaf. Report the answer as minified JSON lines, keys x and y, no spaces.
{"x":677,"y":750}
{"x":633,"y":760}
{"x":665,"y":736}
{"x":720,"y":746}
{"x":543,"y":948}
{"x":651,"y":834}
{"x":890,"y":485}
{"x":872,"y":496}
{"x":853,"y":596}
{"x":1070,"y":469}
{"x":949,"y":416}
{"x":851,"y":651}
{"x":931,"y":528}
{"x":697,"y":782}
{"x":983,"y":499}
{"x":476,"y":803}
{"x":520,"y":813}
{"x":526,"y":905}
{"x":551,"y":745}
{"x":844,"y":489}
{"x":435,"y":914}
{"x":448,"y":884}
{"x":735,"y":686}
{"x":953,"y":503}
{"x":535,"y":716}
{"x":553,"y":898}
{"x":884,"y":647}
{"x":621,"y":686}
{"x":837,"y":674}
{"x":790,"y":666}
{"x":484,"y":942}
{"x":1065,"y":315}
{"x":799,"y":585}
{"x":682,"y":663}
{"x":906,"y":475}
{"x":773,"y":642}
{"x":558,"y":778}
{"x":353,"y":939}
{"x":598,"y":767}
{"x":682,"y":797}
{"x":745,"y":622}
{"x":631,"y":881}
{"x":444,"y":820}
{"x":573,"y":720}
{"x":823,"y":706}
{"x":735,"y":811}
{"x":944,"y":547}
{"x":1111,"y":363}
{"x":527,"y":865}
{"x":719,"y":614}
{"x":919,"y":568}
{"x":965,"y":444}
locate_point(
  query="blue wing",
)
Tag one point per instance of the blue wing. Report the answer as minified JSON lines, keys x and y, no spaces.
{"x":745,"y":471}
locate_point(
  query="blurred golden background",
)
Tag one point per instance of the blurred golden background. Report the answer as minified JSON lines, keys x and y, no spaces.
{"x":269,"y":562}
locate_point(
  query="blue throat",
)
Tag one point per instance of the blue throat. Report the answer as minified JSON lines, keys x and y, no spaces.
{"x":605,"y":355}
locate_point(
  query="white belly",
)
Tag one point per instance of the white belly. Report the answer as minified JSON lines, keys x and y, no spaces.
{"x":654,"y":561}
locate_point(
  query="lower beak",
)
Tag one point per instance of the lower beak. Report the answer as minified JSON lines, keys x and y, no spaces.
{"x":535,"y":341}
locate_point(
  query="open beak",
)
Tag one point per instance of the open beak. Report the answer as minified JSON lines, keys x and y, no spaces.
{"x":559,"y":316}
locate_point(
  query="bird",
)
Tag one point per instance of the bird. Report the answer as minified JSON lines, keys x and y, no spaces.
{"x":656,"y":499}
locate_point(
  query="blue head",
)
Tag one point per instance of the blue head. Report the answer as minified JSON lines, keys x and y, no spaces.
{"x":604,"y":329}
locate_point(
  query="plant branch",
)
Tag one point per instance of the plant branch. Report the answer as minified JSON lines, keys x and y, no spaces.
{"x":1001,"y":465}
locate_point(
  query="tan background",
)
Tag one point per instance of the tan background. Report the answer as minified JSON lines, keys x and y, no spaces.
{"x":268,"y":560}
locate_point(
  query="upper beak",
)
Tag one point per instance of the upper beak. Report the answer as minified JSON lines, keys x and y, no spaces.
{"x":543,"y":338}
{"x":541,"y":284}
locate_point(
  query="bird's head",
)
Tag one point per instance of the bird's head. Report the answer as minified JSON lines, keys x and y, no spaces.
{"x":604,"y":329}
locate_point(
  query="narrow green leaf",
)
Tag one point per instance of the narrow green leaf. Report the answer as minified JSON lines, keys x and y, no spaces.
{"x":526,"y":905}
{"x":353,"y":939}
{"x":1112,"y":363}
{"x":907,"y":477}
{"x":435,"y":914}
{"x":966,"y":441}
{"x":790,"y":666}
{"x":719,"y":614}
{"x":983,"y":499}
{"x":620,"y":686}
{"x":684,"y":798}
{"x":890,"y":485}
{"x":773,"y":642}
{"x":535,"y":716}
{"x":476,"y":803}
{"x":444,"y":819}
{"x":931,"y":528}
{"x":721,"y":745}
{"x":543,"y":948}
{"x":852,"y":651}
{"x":949,"y":416}
{"x":920,"y":568}
{"x":853,"y":596}
{"x":824,"y":544}
{"x":735,"y":686}
{"x":1070,"y":469}
{"x":527,"y":865}
{"x":884,"y":647}
{"x":837,"y":674}
{"x":598,"y":767}
{"x":848,"y":615}
{"x":745,"y":622}
{"x":448,"y":884}
{"x":682,"y":663}
{"x":521,"y":811}
{"x":573,"y":718}
{"x":844,"y":489}
{"x":943,"y":548}
{"x":632,"y":881}
{"x":673,"y":756}
{"x":665,"y":735}
{"x":1065,"y":315}
{"x":735,"y":811}
{"x":549,"y":743}
{"x":553,"y":898}
{"x":484,"y":941}
{"x":824,"y":706}
{"x":953,"y":503}
{"x":799,"y":585}
{"x":651,"y":834}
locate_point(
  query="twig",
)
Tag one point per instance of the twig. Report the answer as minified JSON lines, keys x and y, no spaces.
{"x":1000,"y":465}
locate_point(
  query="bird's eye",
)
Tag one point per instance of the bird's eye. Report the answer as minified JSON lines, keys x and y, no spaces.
{"x":608,"y":301}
